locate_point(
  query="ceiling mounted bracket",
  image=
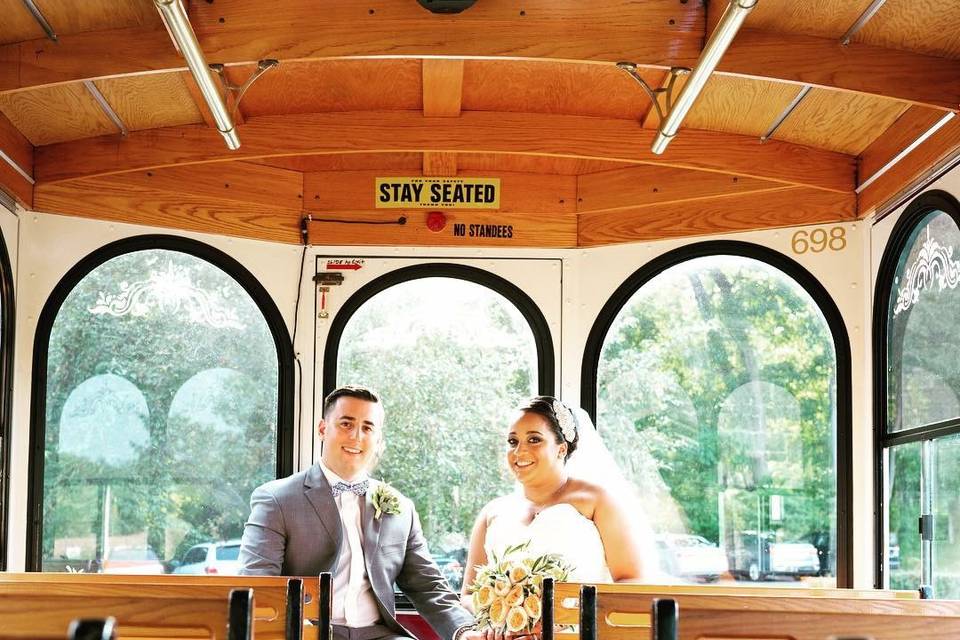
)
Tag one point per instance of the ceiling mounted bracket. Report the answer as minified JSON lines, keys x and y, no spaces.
{"x":730,"y":22}
{"x":237,"y":90}
{"x":41,"y":20}
{"x":177,"y":21}
{"x":654,"y":94}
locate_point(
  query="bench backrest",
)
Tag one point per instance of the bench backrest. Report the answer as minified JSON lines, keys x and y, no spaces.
{"x":274,"y":616}
{"x":624,"y":613}
{"x":44,"y":610}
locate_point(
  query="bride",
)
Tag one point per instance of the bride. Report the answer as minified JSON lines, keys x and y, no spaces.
{"x":594,"y":526}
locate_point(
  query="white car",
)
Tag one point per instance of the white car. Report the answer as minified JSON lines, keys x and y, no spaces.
{"x":794,"y":559}
{"x":132,"y":561}
{"x":211,"y":558}
{"x":691,"y":557}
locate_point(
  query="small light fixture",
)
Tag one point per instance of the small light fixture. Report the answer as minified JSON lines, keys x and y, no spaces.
{"x":734,"y":15}
{"x":436,"y":221}
{"x":178,"y":24}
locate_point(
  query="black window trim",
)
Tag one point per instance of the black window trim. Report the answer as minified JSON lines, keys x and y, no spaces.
{"x":542,"y":336}
{"x":918,"y":209}
{"x":8,"y":318}
{"x":841,"y":342}
{"x":524,"y":303}
{"x":51,"y":308}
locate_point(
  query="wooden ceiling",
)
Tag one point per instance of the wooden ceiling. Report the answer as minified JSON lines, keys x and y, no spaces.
{"x":525,"y":91}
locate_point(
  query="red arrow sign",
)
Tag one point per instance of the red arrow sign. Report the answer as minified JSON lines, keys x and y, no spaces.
{"x":343,"y":266}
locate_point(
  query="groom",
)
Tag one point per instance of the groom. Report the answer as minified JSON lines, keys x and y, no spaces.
{"x":332,"y":517}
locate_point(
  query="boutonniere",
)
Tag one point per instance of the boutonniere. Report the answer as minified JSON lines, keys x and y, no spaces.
{"x":385,"y":500}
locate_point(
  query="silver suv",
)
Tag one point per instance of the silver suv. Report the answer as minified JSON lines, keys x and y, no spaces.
{"x":212,"y":558}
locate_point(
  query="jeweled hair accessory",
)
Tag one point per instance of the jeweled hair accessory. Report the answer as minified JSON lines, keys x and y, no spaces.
{"x":568,"y":425}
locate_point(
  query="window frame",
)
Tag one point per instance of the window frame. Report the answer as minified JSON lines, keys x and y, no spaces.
{"x":841,"y":342}
{"x":546,"y":370}
{"x":41,"y":346}
{"x":913,"y":215}
{"x":7,"y":327}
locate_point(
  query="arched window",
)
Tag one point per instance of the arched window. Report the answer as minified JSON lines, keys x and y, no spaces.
{"x":719,"y":376}
{"x":452,"y":350}
{"x":7,"y":321}
{"x":162,"y":397}
{"x":917,"y":386}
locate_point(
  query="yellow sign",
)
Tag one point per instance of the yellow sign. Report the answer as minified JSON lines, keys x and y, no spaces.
{"x":437,"y":193}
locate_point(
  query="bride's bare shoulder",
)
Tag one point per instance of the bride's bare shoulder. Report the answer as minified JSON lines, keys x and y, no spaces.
{"x":587,"y":496}
{"x":584,"y":489}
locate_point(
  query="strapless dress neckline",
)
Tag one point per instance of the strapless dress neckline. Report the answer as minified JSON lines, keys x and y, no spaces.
{"x":559,"y":528}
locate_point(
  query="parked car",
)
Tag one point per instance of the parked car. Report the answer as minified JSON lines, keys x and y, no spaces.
{"x":211,"y":558}
{"x":132,"y":560}
{"x":758,"y":557}
{"x":691,"y":557}
{"x":451,"y":566}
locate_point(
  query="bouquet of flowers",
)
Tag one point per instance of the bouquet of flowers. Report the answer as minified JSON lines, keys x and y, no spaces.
{"x":508,"y":591}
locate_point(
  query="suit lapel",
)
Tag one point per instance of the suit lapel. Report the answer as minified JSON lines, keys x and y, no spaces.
{"x":319,"y":494}
{"x":371,"y":525}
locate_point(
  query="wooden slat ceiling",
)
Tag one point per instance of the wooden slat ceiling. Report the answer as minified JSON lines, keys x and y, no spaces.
{"x":527,"y":94}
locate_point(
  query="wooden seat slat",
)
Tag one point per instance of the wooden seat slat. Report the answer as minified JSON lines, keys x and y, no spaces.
{"x":137,"y":617}
{"x":567,"y":607}
{"x":704,"y":624}
{"x":270,"y":591}
{"x":623,"y":612}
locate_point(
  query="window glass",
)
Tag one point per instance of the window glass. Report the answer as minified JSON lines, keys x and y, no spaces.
{"x":923,"y":378}
{"x":716,"y":392}
{"x":451,"y":360}
{"x":196,"y":555}
{"x":161,"y":414}
{"x":231,"y":552}
{"x":903,"y":511}
{"x":946,"y":511}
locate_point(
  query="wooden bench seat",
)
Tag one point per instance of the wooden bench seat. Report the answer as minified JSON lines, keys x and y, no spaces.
{"x":141,"y":611}
{"x":622,"y":612}
{"x":282,"y":603}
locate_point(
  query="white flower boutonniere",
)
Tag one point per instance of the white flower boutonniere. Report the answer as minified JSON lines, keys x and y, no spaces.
{"x":385,"y":500}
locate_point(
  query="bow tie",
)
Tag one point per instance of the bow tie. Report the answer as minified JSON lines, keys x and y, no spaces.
{"x":358,"y":488}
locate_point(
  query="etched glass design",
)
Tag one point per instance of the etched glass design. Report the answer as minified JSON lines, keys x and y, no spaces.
{"x":923,"y":375}
{"x":161,"y":416}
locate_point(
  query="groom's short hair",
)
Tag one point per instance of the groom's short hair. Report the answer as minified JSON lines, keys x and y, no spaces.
{"x":350,"y":391}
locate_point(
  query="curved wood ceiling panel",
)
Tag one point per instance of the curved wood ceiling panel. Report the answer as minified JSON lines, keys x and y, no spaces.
{"x":56,"y":114}
{"x":926,"y":26}
{"x":497,"y":162}
{"x":554,"y":87}
{"x":66,"y":18}
{"x":148,"y":102}
{"x":823,"y":18}
{"x":347,"y":162}
{"x":844,"y":122}
{"x":739,"y":105}
{"x":18,"y":24}
{"x":334,"y":85}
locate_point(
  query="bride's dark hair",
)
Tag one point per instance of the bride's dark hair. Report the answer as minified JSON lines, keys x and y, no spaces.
{"x":544,"y":406}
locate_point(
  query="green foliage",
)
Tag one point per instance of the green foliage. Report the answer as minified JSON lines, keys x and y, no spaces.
{"x":182,"y":467}
{"x":717,"y":387}
{"x":450,"y":379}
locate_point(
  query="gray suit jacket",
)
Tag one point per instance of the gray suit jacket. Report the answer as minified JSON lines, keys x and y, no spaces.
{"x":294,"y":529}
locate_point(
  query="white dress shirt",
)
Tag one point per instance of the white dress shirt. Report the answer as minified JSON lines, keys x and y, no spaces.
{"x":354,"y":604}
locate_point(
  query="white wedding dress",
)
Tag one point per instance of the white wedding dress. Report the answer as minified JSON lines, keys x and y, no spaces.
{"x":559,"y":529}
